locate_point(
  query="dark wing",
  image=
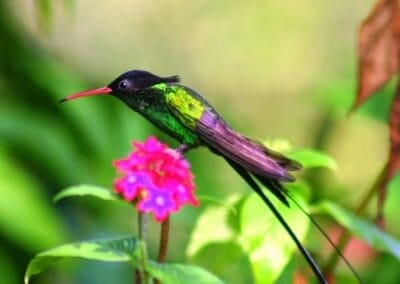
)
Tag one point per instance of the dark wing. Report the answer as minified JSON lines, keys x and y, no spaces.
{"x":199,"y":116}
{"x":269,"y":167}
{"x":250,"y":154}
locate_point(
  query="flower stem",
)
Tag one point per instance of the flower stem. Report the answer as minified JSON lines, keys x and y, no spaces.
{"x":164,"y":237}
{"x":141,"y":276}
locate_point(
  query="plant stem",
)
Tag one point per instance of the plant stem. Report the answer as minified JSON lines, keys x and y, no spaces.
{"x":382,"y":188}
{"x":141,"y":276}
{"x":164,"y":237}
{"x":345,"y":236}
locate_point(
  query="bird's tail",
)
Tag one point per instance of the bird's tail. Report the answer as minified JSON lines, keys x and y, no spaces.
{"x":281,"y":192}
{"x":337,"y":250}
{"x":307,"y":256}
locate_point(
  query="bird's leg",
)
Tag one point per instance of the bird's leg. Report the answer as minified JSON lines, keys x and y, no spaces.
{"x":183,"y":148}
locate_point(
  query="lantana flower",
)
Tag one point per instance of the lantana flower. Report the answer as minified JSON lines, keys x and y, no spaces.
{"x":156,"y":178}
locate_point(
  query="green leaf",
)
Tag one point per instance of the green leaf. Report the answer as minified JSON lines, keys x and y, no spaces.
{"x":278,"y":145}
{"x":118,"y":250}
{"x":268,"y":245}
{"x":392,"y":204}
{"x":170,"y":273}
{"x":311,"y":158}
{"x":214,"y":221}
{"x":376,"y":238}
{"x":87,"y":190}
{"x":218,"y":201}
{"x":226,"y":259}
{"x":115,"y":250}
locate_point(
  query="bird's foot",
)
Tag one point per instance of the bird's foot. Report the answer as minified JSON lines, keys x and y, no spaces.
{"x":183,"y":148}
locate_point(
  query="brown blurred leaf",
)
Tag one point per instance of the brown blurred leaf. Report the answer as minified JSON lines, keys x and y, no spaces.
{"x":393,"y":163}
{"x":379,"y":61}
{"x":378,"y":48}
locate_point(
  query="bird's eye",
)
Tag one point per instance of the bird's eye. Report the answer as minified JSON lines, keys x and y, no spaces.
{"x":123,"y":85}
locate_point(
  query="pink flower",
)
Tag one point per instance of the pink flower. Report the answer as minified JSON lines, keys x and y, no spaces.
{"x":156,"y":177}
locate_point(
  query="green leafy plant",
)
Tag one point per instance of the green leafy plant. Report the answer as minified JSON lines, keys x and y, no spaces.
{"x":239,"y":232}
{"x":160,"y":179}
{"x":44,"y":147}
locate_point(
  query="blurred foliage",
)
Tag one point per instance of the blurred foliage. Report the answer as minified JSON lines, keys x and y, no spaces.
{"x":274,"y":63}
{"x":125,"y":249}
{"x":366,"y":231}
{"x":244,"y":244}
{"x":249,"y":238}
{"x":236,"y":233}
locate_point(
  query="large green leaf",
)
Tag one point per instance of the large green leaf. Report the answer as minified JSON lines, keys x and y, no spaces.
{"x":227,"y":259}
{"x":209,"y":198}
{"x":119,"y":250}
{"x":214,"y":221}
{"x":171,"y":273}
{"x":392,"y":205}
{"x":87,"y":190}
{"x":115,"y":250}
{"x":215,"y":242}
{"x":311,"y":158}
{"x":268,"y":245}
{"x":258,"y":234}
{"x":367,"y":231}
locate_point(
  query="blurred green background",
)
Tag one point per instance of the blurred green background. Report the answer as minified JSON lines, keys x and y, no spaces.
{"x":273,"y":69}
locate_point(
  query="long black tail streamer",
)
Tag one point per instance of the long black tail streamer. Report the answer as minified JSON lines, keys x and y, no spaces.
{"x":307,"y":256}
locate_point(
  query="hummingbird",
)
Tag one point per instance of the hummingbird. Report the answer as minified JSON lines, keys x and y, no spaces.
{"x":185,"y":115}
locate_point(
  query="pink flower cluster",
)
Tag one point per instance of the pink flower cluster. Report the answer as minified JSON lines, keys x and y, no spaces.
{"x":158,"y":178}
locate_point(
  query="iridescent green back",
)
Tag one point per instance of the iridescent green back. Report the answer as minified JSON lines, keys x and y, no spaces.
{"x":159,"y":112}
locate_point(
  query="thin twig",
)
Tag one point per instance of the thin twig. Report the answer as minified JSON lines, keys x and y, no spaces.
{"x":345,"y":235}
{"x":164,"y":237}
{"x":381,"y":195}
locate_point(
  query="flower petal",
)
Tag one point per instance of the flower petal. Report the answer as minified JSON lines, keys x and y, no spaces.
{"x":157,"y":176}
